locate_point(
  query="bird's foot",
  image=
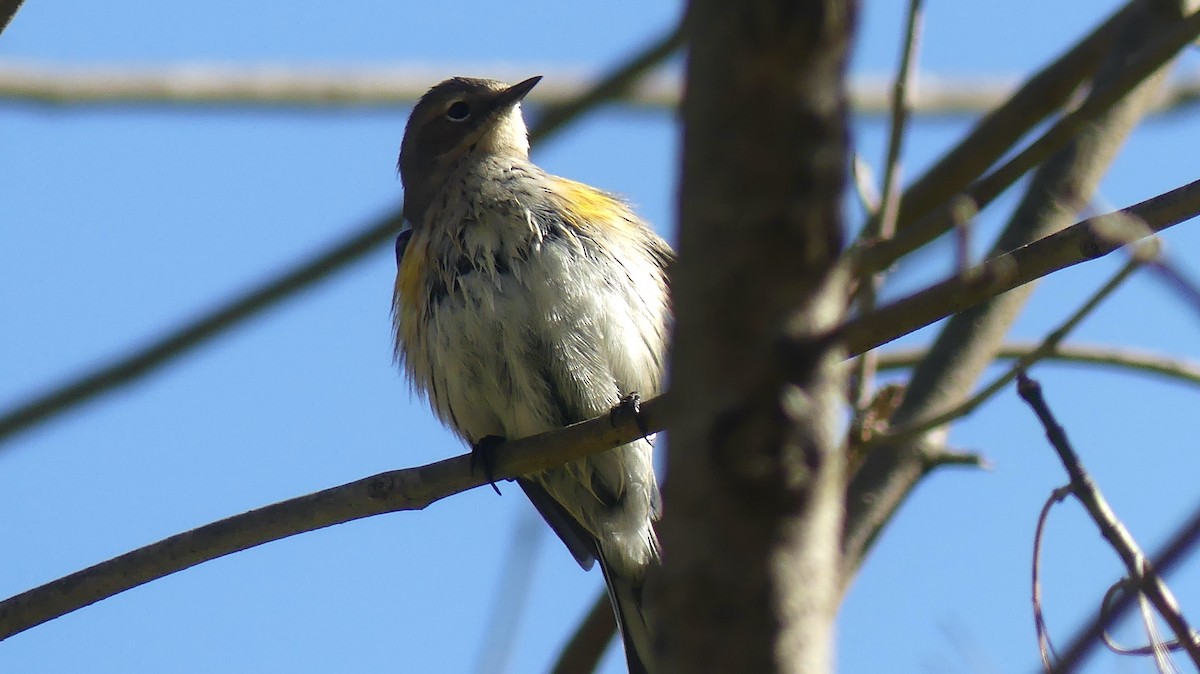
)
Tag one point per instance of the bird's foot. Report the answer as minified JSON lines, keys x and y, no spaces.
{"x":483,"y":454}
{"x":630,"y":404}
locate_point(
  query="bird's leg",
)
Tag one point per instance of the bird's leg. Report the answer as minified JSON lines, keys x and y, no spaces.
{"x":483,"y":454}
{"x":630,"y":404}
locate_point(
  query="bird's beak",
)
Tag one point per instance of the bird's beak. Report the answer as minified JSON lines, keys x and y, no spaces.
{"x":514,"y":94}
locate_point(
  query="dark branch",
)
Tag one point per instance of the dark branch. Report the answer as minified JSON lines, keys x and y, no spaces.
{"x":1088,"y":493}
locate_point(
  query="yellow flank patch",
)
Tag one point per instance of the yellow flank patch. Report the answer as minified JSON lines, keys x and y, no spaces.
{"x":586,"y":205}
{"x":410,"y":277}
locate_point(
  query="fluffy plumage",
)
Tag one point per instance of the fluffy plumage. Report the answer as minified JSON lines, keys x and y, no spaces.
{"x":525,"y":302}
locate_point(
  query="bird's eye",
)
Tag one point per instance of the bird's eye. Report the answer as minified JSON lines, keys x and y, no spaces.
{"x":458,"y":111}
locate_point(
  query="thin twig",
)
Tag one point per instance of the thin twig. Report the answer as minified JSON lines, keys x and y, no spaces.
{"x":1119,"y":357}
{"x":997,"y":133}
{"x":918,"y":427}
{"x":1045,"y":647}
{"x":884,"y":226}
{"x":882,"y":254}
{"x":1182,"y":542}
{"x":1088,"y":239}
{"x":1085,"y":489}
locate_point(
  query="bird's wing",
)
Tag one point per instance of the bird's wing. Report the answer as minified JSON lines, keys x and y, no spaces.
{"x":401,"y":244}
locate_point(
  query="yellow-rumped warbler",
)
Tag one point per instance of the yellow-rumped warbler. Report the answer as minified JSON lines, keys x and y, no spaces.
{"x":525,"y":302}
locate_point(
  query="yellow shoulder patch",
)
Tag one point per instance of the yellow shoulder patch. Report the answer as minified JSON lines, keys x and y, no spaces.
{"x":584,"y":205}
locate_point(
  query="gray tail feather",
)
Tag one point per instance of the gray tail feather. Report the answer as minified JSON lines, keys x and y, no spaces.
{"x":625,"y":594}
{"x":626,"y":597}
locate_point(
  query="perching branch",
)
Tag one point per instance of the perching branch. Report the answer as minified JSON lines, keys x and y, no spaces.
{"x":393,"y":491}
{"x":349,"y":502}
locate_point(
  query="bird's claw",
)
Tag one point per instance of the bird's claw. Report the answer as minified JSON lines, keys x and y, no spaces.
{"x":483,"y":454}
{"x":630,"y":404}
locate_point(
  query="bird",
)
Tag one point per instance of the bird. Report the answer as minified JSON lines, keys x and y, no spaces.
{"x":525,"y":302}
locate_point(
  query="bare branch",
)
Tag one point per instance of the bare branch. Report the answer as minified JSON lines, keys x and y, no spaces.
{"x":394,"y":491}
{"x":1085,"y":490}
{"x":1169,"y":367}
{"x":968,"y":342}
{"x":1088,"y":239}
{"x":1042,"y":94}
{"x":1173,"y":553}
{"x":1148,"y":59}
{"x":307,"y":513}
{"x":214,"y":86}
{"x":914,"y":428}
{"x":883,"y":226}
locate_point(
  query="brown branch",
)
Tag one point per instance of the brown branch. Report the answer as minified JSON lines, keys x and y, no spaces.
{"x":436,"y":481}
{"x":1147,"y":60}
{"x":968,"y":342}
{"x":914,"y":428}
{"x":184,"y":338}
{"x":1182,"y":542}
{"x":217,"y":86}
{"x":884,"y":226}
{"x":1088,"y":239}
{"x":394,"y":491}
{"x":1045,"y":645}
{"x":1085,"y":490}
{"x":1119,"y":357}
{"x":994,"y":135}
{"x":315,"y":511}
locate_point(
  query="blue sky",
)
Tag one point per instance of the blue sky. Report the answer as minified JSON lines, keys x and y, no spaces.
{"x":118,"y":224}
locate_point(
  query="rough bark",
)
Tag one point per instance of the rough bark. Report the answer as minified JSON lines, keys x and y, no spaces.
{"x":753,"y":503}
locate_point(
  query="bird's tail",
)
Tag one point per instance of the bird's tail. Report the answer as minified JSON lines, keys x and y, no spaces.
{"x":626,"y":597}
